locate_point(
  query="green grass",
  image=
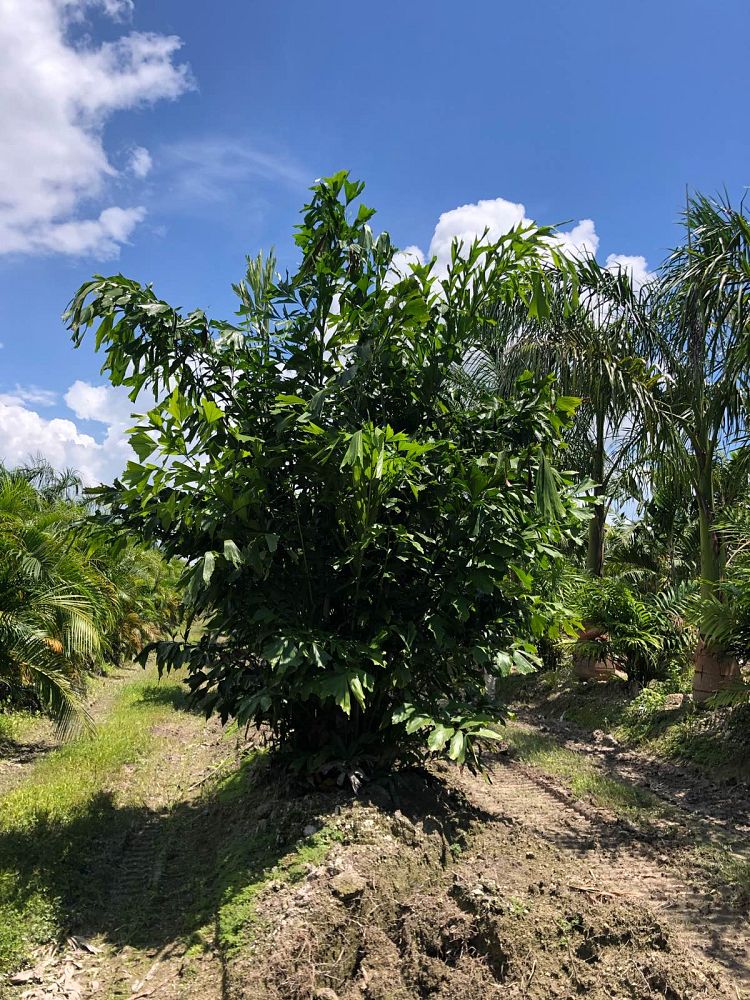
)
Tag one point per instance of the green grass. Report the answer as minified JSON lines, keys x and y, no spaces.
{"x":714,"y":742}
{"x":82,"y":852}
{"x":15,"y":727}
{"x":237,"y":912}
{"x":584,"y":779}
{"x":67,"y":779}
{"x":725,"y":868}
{"x":45,"y":821}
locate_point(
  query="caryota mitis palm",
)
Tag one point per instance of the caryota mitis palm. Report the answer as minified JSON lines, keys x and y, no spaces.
{"x":361,"y":542}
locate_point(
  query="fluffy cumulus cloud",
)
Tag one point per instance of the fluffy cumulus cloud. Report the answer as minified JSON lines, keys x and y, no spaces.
{"x":98,"y":454}
{"x":636,"y":268}
{"x":496,"y":216}
{"x":57,"y":91}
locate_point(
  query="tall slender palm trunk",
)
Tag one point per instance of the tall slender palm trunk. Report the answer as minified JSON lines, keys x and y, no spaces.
{"x":714,"y":668}
{"x":595,"y":554}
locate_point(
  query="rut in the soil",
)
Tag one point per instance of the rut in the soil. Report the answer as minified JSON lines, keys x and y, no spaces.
{"x":437,"y":886}
{"x":617,"y":860}
{"x":535,"y":901}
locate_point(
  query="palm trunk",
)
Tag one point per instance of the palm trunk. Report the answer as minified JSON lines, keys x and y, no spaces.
{"x":595,"y":555}
{"x":711,"y":549}
{"x":715,"y":668}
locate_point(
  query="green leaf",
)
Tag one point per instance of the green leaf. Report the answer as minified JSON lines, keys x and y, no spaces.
{"x":211,"y":411}
{"x":417,"y":722}
{"x":142,"y":444}
{"x":272,"y":541}
{"x":526,"y":579}
{"x":232,"y":553}
{"x":439,"y":736}
{"x":457,"y":750}
{"x":355,"y":686}
{"x":209,"y":563}
{"x":567,"y":404}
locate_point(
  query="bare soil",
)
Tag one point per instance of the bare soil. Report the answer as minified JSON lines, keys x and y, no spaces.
{"x":438,"y":884}
{"x":506,"y":888}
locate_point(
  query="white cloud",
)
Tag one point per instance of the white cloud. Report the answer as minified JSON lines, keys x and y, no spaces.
{"x":103,"y":403}
{"x":581,"y":240}
{"x":118,"y":9}
{"x":30,"y":394}
{"x":102,"y":237}
{"x":401,"y":262}
{"x":140,"y":161}
{"x":497,"y":216}
{"x":466,"y":222}
{"x":57,"y":90}
{"x":636,"y":268}
{"x":207,"y":170}
{"x":25,"y":433}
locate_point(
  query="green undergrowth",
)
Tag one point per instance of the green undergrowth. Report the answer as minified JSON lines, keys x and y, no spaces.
{"x":584,"y":779}
{"x":65,"y":781}
{"x":47,"y":821}
{"x":236,"y":923}
{"x":712,"y":741}
{"x":264,"y":842}
{"x":15,"y":727}
{"x":715,"y":742}
{"x":725,"y":868}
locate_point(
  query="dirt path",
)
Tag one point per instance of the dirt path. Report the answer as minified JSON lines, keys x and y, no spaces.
{"x":601,"y":857}
{"x":507,"y":889}
{"x":723,"y":805}
{"x":128,"y":943}
{"x":462,"y":887}
{"x":38,"y":734}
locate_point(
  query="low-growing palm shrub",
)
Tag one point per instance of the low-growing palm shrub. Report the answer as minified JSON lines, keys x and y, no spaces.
{"x":48,"y":631}
{"x":649,"y":638}
{"x":70,"y":601}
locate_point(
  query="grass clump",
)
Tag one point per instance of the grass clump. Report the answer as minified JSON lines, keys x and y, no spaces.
{"x":725,"y":868}
{"x":584,"y":779}
{"x":712,"y":741}
{"x":16,"y":726}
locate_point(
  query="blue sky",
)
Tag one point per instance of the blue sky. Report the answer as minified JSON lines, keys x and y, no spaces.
{"x":196,"y":129}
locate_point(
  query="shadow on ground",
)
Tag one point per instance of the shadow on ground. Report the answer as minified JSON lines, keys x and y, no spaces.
{"x":146,"y":878}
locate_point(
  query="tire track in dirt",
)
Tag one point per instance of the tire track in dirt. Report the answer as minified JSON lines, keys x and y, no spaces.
{"x":148,"y":961}
{"x":600,"y":855}
{"x":721,"y":806}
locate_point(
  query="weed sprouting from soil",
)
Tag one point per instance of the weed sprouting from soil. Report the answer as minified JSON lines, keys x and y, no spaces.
{"x":725,"y":868}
